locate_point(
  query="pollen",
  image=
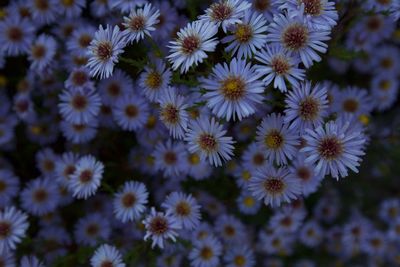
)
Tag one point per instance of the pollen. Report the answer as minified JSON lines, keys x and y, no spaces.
{"x":274,"y":140}
{"x":350,"y":105}
{"x":207,"y":142}
{"x":158,"y":225}
{"x":233,"y":88}
{"x":84,"y":40}
{"x":246,"y":175}
{"x":137,"y":23}
{"x":249,"y":201}
{"x":194,"y":159}
{"x":313,"y":7}
{"x":190,"y":44}
{"x":243,"y":33}
{"x":104,"y":50}
{"x":220,"y":11}
{"x":308,"y":109}
{"x":170,"y":114}
{"x":330,"y":148}
{"x":295,"y":36}
{"x":131,"y":111}
{"x":38,"y":51}
{"x":153,"y":80}
{"x":364,"y":119}
{"x":280,"y":65}
{"x":206,"y":253}
{"x":183,"y":208}
{"x":128,"y":200}
{"x":240,"y":260}
{"x":85,"y":176}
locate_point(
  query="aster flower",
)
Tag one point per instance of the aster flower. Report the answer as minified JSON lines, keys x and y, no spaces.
{"x":42,"y":52}
{"x":311,"y":234}
{"x":230,"y":228}
{"x":79,"y":80}
{"x":154,"y":79}
{"x":192,"y":44}
{"x":285,"y":221}
{"x":248,"y":36}
{"x":206,"y":252}
{"x":225,"y":13}
{"x":320,"y":13}
{"x":240,"y":256}
{"x":104,"y":50}
{"x":207,"y":137}
{"x":334,"y":148}
{"x":254,"y":157}
{"x":65,"y":167}
{"x":247,"y":203}
{"x":233,"y":90}
{"x":9,"y":186}
{"x":277,"y":139}
{"x":79,"y":106}
{"x":115,"y":87}
{"x":71,"y":8}
{"x":80,"y":39}
{"x":100,"y":8}
{"x":16,"y":35}
{"x":184,"y":208}
{"x":140,"y":22}
{"x":279,"y":65}
{"x":173,"y":112}
{"x":86,"y":178}
{"x":79,"y":133}
{"x":274,"y":186}
{"x":129,"y":203}
{"x":45,"y":160}
{"x":131,"y":112}
{"x":40,"y":196}
{"x":159,"y":227}
{"x":24,"y":107}
{"x":92,"y":229}
{"x":106,"y":255}
{"x":13,"y":225}
{"x":170,"y":157}
{"x":306,"y":174}
{"x":353,"y":101}
{"x":295,"y":35}
{"x":306,"y":106}
{"x":43,"y":11}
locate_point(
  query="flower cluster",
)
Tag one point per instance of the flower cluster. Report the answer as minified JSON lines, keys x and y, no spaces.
{"x":198,"y":133}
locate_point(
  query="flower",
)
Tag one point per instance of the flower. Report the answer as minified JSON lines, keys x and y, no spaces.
{"x":240,"y":255}
{"x":71,"y":8}
{"x":248,"y":35}
{"x":40,"y":196}
{"x":306,"y":106}
{"x":170,"y":157}
{"x":206,"y":136}
{"x":205,"y":252}
{"x":306,"y":174}
{"x":131,"y":112}
{"x":334,"y":147}
{"x":13,"y":227}
{"x":86,"y":178}
{"x":275,"y":137}
{"x":278,"y":65}
{"x":9,"y":186}
{"x":42,"y":52}
{"x":173,"y":112}
{"x":294,"y":34}
{"x":65,"y":167}
{"x":115,"y":87}
{"x":106,"y":255}
{"x":129,"y":202}
{"x":159,"y":227}
{"x":247,"y":203}
{"x":79,"y":106}
{"x":193,"y":41}
{"x":140,"y":22}
{"x":225,"y":12}
{"x":233,"y":91}
{"x":104,"y":50}
{"x":353,"y":101}
{"x":16,"y":35}
{"x":79,"y":133}
{"x":184,"y":208}
{"x":274,"y":186}
{"x":79,"y":80}
{"x":80,"y":39}
{"x":92,"y":229}
{"x":154,"y":79}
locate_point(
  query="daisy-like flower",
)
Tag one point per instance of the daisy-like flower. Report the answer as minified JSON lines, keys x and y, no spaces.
{"x":92,"y":229}
{"x":173,"y":112}
{"x":233,"y":90}
{"x":320,"y":13}
{"x":13,"y":226}
{"x":353,"y":100}
{"x":192,"y":44}
{"x":16,"y":35}
{"x":65,"y":167}
{"x":254,"y":157}
{"x":140,"y":22}
{"x":86,"y":178}
{"x":79,"y":133}
{"x":207,"y":137}
{"x":306,"y":174}
{"x":230,"y":229}
{"x":40,"y":196}
{"x":9,"y":186}
{"x":184,"y":208}
{"x":79,"y":80}
{"x":295,"y":35}
{"x":129,"y":202}
{"x":80,"y":39}
{"x":159,"y":227}
{"x":170,"y":157}
{"x":239,"y":256}
{"x":43,"y":11}
{"x":154,"y":79}
{"x":277,"y":139}
{"x":115,"y":87}
{"x":274,"y":186}
{"x":334,"y":148}
{"x":71,"y":8}
{"x":279,"y":65}
{"x":247,"y":203}
{"x":225,"y":13}
{"x":79,"y":106}
{"x":311,"y":234}
{"x":306,"y":106}
{"x":45,"y":161}
{"x":31,"y":261}
{"x":206,"y":252}
{"x":248,"y":36}
{"x":104,"y":50}
{"x":131,"y":112}
{"x":42,"y":52}
{"x":107,"y":256}
{"x":285,"y":221}
{"x":267,"y":7}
